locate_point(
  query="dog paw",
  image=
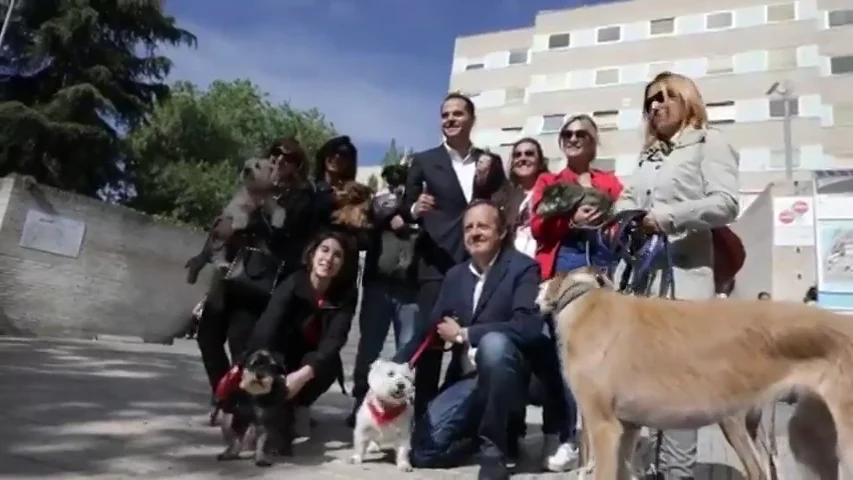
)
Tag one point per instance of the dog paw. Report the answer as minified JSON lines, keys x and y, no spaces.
{"x":404,"y":467}
{"x":356,"y":460}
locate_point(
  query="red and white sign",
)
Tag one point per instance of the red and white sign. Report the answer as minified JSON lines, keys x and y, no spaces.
{"x":793,"y":221}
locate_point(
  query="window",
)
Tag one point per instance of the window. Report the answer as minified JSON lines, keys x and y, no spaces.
{"x":659,"y":67}
{"x":607,"y":120}
{"x":720,"y":65}
{"x":782,"y":59}
{"x":842,"y":114}
{"x":517,"y":57}
{"x":514,"y":96}
{"x":777,"y":159}
{"x":839,"y":65}
{"x":721,"y":113}
{"x":552,"y":123}
{"x":609,"y":34}
{"x":608,"y":164}
{"x":607,"y":76}
{"x":558,"y":40}
{"x":475,"y":66}
{"x":718,"y":21}
{"x":662,"y":26}
{"x":838,"y":18}
{"x":782,"y":12}
{"x":777,"y":107}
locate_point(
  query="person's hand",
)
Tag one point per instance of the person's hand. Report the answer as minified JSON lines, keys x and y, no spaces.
{"x":650,"y":225}
{"x":295,"y":382}
{"x":425,"y":203}
{"x":587,"y":215}
{"x":449,"y":329}
{"x":397,"y":223}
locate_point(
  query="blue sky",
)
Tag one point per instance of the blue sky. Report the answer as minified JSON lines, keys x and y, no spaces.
{"x":377,"y":68}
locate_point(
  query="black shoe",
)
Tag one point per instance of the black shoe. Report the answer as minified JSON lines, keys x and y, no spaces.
{"x":492,"y":468}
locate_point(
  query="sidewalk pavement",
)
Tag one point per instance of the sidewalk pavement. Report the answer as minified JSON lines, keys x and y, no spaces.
{"x":112,"y":410}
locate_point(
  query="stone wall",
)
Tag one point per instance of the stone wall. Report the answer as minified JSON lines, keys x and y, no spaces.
{"x":127,"y":279}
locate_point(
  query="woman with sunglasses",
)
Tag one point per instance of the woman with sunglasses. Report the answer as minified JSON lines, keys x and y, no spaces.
{"x":560,"y":248}
{"x":687,"y":181}
{"x":527,"y":164}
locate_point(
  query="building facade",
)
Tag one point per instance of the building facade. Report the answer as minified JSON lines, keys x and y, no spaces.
{"x":596,"y":60}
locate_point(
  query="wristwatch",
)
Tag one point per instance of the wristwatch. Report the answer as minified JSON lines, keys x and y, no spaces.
{"x":461,"y":337}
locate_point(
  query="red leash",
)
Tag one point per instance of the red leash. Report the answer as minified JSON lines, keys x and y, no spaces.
{"x":431,"y":341}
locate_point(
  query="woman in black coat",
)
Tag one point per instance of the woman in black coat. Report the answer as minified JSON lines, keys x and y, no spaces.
{"x":309,"y":316}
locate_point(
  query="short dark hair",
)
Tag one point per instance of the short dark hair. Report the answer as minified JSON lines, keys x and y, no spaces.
{"x":469,"y":104}
{"x":348,"y":273}
{"x":290,"y":146}
{"x":763,"y":294}
{"x":502,"y":224}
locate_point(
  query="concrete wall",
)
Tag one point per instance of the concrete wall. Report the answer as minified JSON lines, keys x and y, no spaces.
{"x":785,"y":272}
{"x":128,"y":278}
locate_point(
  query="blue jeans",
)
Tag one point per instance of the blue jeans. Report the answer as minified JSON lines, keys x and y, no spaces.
{"x":502,"y":373}
{"x":382,"y":305}
{"x":559,"y":409}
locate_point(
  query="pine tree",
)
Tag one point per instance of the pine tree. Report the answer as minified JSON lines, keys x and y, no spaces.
{"x":392,"y":155}
{"x":82,"y":72}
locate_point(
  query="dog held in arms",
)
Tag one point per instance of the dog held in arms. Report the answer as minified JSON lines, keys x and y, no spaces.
{"x":259,"y":411}
{"x":385,"y":417}
{"x":636,"y":361}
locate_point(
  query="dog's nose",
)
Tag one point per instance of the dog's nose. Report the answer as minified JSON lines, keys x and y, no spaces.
{"x":401,"y":386}
{"x":247,"y":171}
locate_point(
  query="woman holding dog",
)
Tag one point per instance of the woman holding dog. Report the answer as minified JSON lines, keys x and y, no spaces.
{"x":308,"y":319}
{"x":687,"y":181}
{"x":229,"y":315}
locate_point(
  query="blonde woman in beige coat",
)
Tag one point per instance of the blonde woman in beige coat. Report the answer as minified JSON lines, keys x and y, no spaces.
{"x":687,"y":179}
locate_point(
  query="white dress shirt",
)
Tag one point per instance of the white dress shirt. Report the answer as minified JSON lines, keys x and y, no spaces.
{"x":468,"y":363}
{"x":524,"y":241}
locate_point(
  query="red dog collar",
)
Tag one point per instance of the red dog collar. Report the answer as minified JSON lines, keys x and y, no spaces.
{"x":385,"y":414}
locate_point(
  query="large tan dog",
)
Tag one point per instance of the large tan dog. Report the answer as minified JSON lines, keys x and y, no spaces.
{"x":635,"y":361}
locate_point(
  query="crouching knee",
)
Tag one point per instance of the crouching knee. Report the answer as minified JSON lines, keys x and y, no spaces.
{"x":495,"y":350}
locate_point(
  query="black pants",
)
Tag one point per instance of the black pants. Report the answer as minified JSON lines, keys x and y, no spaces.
{"x":428,"y":371}
{"x":233,"y":323}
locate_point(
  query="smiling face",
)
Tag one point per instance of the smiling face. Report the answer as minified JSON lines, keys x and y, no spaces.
{"x":578,"y":140}
{"x":526,"y":162}
{"x":483,"y":231}
{"x":328,"y":259}
{"x":664,"y":109}
{"x":456,"y":119}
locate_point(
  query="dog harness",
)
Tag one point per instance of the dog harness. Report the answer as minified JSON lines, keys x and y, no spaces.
{"x":385,"y":414}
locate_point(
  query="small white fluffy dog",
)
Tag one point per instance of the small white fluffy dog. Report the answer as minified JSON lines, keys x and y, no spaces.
{"x":385,"y":416}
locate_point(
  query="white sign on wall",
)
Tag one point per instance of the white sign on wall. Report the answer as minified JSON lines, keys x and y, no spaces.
{"x":53,"y":234}
{"x":793,"y":221}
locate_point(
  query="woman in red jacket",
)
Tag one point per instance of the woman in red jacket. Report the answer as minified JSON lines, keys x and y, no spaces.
{"x":559,"y":246}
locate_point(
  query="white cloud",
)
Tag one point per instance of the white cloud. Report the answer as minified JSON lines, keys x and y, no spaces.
{"x":370,"y":96}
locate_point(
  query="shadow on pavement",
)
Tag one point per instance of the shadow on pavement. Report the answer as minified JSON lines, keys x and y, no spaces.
{"x":123,"y":409}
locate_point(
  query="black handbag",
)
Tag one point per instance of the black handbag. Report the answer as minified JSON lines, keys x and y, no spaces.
{"x":253,"y":273}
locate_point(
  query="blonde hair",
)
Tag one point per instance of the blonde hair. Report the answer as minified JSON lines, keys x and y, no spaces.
{"x":693,"y":107}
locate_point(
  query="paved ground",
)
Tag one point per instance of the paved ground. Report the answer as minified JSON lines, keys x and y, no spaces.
{"x":111,"y":410}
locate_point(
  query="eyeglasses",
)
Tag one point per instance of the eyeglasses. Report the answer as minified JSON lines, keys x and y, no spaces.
{"x":660,"y":97}
{"x":286,"y":156}
{"x":524,"y":154}
{"x":570,"y":134}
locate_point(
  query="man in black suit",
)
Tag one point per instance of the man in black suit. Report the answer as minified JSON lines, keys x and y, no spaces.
{"x":441,"y":183}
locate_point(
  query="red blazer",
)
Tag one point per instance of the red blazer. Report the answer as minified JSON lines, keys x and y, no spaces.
{"x":549,"y":232}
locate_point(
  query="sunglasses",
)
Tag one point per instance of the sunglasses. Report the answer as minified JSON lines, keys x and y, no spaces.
{"x":524,"y":154}
{"x":285,"y":156}
{"x":660,"y":97}
{"x":570,"y":134}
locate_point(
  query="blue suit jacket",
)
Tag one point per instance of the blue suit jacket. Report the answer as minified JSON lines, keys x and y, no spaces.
{"x":507,"y":303}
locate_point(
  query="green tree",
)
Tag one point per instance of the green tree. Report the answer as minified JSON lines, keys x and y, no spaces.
{"x":93,"y":70}
{"x":184,"y":162}
{"x":392,"y":155}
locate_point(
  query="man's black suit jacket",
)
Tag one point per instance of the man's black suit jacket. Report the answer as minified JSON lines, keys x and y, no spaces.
{"x":440,"y":245}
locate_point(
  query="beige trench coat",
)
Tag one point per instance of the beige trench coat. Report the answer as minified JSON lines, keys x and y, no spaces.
{"x":689,"y":186}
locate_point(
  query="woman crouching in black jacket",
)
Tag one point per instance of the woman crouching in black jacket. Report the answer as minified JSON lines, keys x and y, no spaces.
{"x":308,"y":319}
